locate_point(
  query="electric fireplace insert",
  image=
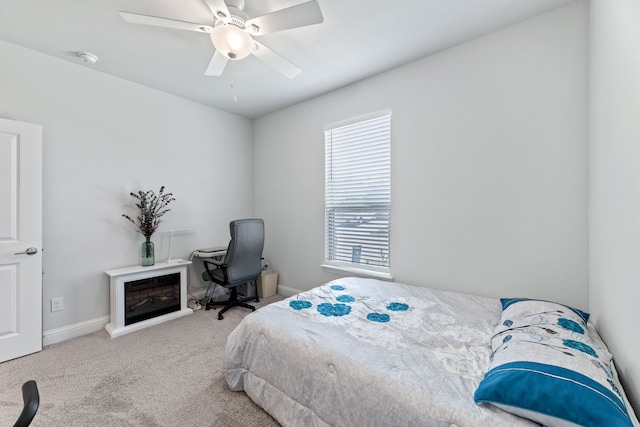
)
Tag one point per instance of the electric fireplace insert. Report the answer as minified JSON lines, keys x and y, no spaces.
{"x":151,"y":297}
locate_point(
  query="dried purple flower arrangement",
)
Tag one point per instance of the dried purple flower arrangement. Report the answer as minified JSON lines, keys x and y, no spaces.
{"x":152,"y":208}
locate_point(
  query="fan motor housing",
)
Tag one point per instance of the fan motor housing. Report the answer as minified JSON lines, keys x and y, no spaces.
{"x":237,"y":18}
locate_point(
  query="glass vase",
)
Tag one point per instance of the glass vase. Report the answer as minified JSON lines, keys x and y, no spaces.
{"x":147,"y":253}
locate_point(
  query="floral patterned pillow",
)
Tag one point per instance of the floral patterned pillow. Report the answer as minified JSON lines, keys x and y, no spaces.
{"x":546,"y":367}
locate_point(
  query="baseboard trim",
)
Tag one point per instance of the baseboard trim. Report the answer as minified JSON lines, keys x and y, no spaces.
{"x":73,"y":331}
{"x":287,"y":291}
{"x":54,"y":336}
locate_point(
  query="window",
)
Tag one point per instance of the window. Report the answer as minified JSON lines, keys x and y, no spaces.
{"x":358,"y":195}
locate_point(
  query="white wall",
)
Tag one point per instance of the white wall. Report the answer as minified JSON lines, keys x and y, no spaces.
{"x":614,"y":197}
{"x":489,"y":165}
{"x":104,"y":137}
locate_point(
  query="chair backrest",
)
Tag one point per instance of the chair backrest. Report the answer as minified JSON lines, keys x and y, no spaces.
{"x":244,"y":254}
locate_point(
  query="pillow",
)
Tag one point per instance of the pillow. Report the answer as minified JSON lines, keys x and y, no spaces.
{"x":545,"y":367}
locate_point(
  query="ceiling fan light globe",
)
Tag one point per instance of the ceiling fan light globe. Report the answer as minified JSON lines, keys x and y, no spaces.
{"x":232,"y":41}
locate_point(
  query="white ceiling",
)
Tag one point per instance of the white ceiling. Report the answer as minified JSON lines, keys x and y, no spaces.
{"x":358,"y":38}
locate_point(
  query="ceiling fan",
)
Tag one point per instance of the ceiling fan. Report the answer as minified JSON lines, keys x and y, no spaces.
{"x":232,"y":31}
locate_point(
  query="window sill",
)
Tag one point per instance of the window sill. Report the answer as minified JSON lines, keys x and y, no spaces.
{"x":360,"y":272}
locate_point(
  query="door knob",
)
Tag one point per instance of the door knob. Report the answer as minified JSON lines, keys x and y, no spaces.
{"x":29,"y":251}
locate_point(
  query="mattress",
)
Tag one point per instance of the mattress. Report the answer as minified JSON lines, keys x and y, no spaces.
{"x":364,"y":352}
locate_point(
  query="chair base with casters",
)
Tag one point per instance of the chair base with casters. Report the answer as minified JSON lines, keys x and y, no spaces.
{"x":233,"y":301}
{"x":31,"y":399}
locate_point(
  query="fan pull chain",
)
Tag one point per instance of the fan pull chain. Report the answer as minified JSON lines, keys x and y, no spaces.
{"x":233,"y":81}
{"x":233,"y":85}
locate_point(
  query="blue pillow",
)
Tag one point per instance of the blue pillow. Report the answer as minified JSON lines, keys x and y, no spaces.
{"x":545,"y":367}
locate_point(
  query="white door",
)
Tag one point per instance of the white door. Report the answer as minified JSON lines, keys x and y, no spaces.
{"x":20,"y":239}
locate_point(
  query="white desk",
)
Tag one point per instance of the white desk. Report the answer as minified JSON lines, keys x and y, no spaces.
{"x":216,"y":252}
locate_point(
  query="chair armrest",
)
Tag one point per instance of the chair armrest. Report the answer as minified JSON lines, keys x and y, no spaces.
{"x":218,"y":264}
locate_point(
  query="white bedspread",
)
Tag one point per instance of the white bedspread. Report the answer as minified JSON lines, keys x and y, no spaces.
{"x":397,"y":356}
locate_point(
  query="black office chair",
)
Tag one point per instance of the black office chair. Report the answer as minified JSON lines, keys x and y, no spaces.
{"x":242,"y":263}
{"x":31,"y":399}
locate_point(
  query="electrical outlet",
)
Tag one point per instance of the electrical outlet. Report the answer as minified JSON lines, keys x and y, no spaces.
{"x":57,"y":304}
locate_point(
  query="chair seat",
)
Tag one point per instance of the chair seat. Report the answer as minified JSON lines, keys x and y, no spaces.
{"x":218,"y":276}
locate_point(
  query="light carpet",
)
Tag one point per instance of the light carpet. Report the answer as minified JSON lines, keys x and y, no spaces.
{"x":165,"y":375}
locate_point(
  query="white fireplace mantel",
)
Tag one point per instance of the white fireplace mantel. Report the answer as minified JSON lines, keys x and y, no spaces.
{"x":120,"y":276}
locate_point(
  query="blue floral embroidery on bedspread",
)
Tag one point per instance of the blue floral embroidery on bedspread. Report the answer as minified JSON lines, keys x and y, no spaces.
{"x":300,"y":304}
{"x":383,"y":317}
{"x":397,"y":306}
{"x":327,"y":309}
{"x":345,"y":298}
{"x":378,"y":317}
{"x":342,"y":307}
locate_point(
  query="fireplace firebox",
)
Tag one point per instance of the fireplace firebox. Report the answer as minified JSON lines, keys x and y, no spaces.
{"x":151,"y":297}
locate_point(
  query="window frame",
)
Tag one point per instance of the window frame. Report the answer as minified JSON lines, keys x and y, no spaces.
{"x":341,"y":266}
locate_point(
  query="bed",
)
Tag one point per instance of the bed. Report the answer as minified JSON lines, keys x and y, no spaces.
{"x":363,"y":352}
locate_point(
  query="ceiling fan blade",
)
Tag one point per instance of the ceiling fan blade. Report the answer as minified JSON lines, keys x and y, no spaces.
{"x":136,"y":18}
{"x":301,"y":15}
{"x":219,"y":9}
{"x":217,"y":65}
{"x":276,"y":61}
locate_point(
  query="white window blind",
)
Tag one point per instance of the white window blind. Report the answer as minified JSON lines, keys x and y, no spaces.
{"x":358,"y":193}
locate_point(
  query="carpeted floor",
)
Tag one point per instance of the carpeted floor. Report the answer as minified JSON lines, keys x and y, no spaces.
{"x":165,"y":375}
